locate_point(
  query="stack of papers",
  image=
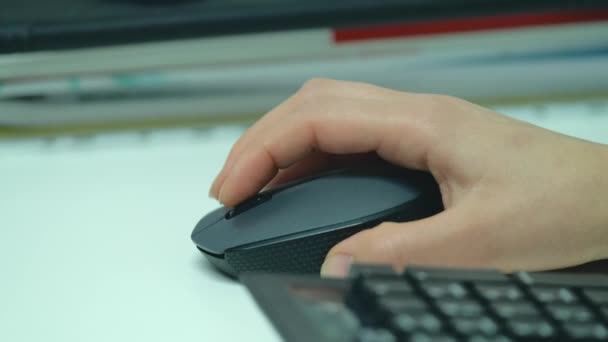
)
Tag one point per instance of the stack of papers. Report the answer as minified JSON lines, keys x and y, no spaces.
{"x":246,"y":75}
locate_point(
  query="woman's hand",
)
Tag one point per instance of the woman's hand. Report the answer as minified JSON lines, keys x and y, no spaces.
{"x":516,"y":196}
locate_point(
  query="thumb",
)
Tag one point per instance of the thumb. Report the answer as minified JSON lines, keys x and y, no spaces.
{"x":446,"y":239}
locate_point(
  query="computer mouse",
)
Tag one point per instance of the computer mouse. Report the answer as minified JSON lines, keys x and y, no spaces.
{"x":292,"y":227}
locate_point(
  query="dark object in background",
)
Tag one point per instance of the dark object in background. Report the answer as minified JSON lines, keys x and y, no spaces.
{"x":434,"y":304}
{"x":152,"y":2}
{"x":291,"y":228}
{"x":33,"y":25}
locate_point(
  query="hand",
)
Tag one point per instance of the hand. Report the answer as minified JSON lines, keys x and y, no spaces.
{"x":516,"y":196}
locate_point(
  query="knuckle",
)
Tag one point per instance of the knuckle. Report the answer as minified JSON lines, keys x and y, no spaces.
{"x":441,"y":99}
{"x":439,"y":102}
{"x":305,"y":118}
{"x":376,"y":245}
{"x":433,"y":106}
{"x":438,"y":112}
{"x":316,"y":83}
{"x":314,"y":88}
{"x":379,"y":244}
{"x":311,"y":113}
{"x":240,"y":143}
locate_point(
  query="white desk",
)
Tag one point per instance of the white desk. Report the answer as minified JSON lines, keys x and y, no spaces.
{"x":95,"y":236}
{"x":95,"y":242}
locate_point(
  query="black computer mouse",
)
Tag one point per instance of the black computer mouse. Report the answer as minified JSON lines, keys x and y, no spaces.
{"x":291,"y":228}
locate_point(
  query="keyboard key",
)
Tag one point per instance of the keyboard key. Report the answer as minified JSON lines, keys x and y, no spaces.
{"x":366,"y":290}
{"x":477,"y":325}
{"x":430,"y":273}
{"x":497,"y":338}
{"x":499,"y":292}
{"x":597,"y":296}
{"x":422,"y":337}
{"x":375,"y":335}
{"x":562,"y":279}
{"x":408,"y":323}
{"x":461,"y":308}
{"x":366,"y":270}
{"x":586,"y":330}
{"x":401,"y":304}
{"x":445,"y":290}
{"x":529,"y":328}
{"x":430,"y":323}
{"x":515,"y":309}
{"x":554,"y":294}
{"x":577,"y":313}
{"x":379,"y":286}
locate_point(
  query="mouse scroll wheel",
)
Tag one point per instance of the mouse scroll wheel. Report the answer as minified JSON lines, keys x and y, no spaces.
{"x":248,"y":204}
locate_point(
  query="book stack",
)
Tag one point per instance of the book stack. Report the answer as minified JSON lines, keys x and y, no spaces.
{"x":467,"y":49}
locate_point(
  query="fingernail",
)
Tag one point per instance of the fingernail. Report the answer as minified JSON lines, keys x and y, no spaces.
{"x":222,"y":188}
{"x":220,"y":194}
{"x":211,"y":195}
{"x":336,"y":266}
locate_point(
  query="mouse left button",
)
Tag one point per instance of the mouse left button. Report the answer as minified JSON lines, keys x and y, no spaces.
{"x":209,"y":220}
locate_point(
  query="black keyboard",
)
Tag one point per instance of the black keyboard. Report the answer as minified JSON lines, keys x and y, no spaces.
{"x":376,"y":304}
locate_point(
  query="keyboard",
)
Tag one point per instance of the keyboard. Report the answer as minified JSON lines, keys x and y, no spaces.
{"x":421,"y":304}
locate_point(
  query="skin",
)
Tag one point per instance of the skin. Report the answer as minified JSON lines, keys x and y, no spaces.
{"x":517,"y":197}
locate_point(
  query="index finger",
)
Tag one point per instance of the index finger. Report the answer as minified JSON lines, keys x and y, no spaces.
{"x":314,"y":89}
{"x":337,"y":126}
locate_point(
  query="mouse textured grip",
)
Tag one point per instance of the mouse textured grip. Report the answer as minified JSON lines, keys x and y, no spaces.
{"x":302,"y":255}
{"x":297,"y":256}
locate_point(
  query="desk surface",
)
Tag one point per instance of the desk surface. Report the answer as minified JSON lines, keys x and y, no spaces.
{"x":95,"y":235}
{"x":95,"y":242}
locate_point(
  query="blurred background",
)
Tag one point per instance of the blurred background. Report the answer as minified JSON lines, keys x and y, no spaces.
{"x":82,"y":65}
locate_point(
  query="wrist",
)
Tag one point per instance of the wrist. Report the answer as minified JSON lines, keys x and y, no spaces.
{"x":601,"y":174}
